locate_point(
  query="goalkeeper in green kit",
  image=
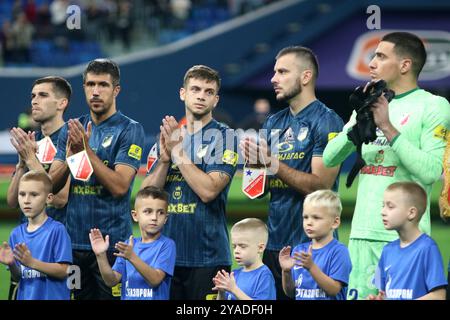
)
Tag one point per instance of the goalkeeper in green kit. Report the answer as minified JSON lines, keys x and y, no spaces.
{"x":407,"y":145}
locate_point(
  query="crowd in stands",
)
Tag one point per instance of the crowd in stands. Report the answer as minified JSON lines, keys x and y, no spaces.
{"x":34,"y":32}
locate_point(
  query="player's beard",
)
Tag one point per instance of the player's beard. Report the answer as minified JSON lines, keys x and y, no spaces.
{"x":292,"y":93}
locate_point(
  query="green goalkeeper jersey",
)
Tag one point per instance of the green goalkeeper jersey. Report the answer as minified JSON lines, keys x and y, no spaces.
{"x":415,"y":155}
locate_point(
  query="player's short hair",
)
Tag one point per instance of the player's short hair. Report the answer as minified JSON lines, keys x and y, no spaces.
{"x":257,"y":226}
{"x":103,"y":66}
{"x":308,"y":58}
{"x":325,"y":198}
{"x":408,"y":45}
{"x":415,"y":194}
{"x":202,"y":72}
{"x":39,"y":176}
{"x":61,"y":87}
{"x":154,"y":193}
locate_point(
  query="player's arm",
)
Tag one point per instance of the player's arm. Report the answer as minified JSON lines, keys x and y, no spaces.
{"x":152,"y":276}
{"x":157,"y":176}
{"x":24,"y":256}
{"x":329,"y":285}
{"x":424,"y":162}
{"x":206,"y":185}
{"x":320,"y":177}
{"x":286,"y":264}
{"x":109,"y":276}
{"x":116,"y":181}
{"x":340,"y":147}
{"x":59,"y":172}
{"x":438,"y":294}
{"x":60,"y":199}
{"x":13,"y":188}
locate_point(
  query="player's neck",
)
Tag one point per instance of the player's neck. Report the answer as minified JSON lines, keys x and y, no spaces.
{"x":258,"y":263}
{"x":301,"y":101}
{"x":403,"y":86}
{"x":318,"y":243}
{"x":37,"y":221}
{"x":408,"y":235}
{"x":148,"y":237}
{"x":99,"y":118}
{"x":194,"y":124}
{"x":52,"y":125}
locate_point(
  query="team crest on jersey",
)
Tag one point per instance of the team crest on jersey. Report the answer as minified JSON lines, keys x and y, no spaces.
{"x":404,"y":120}
{"x":302,"y":133}
{"x":107,"y":141}
{"x":379,"y":156}
{"x":201,"y":152}
{"x":298,"y":282}
{"x":177,"y":193}
{"x":289,"y":135}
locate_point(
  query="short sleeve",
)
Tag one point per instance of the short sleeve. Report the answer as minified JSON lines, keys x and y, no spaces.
{"x":130,"y":146}
{"x":166,"y":258}
{"x":341,"y":265}
{"x":62,"y":142}
{"x":328,"y":127}
{"x":265,"y":288}
{"x":223,"y":156}
{"x":434,"y":268}
{"x":119,"y":265}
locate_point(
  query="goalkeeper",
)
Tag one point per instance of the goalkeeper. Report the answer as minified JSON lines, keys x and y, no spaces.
{"x":409,"y":146}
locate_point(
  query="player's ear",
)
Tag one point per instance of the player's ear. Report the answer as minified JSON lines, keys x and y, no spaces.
{"x":336,"y":223}
{"x":261,"y":247}
{"x":412,"y":213}
{"x":405,"y":65}
{"x":50,"y":197}
{"x":134,"y":214}
{"x":182,"y":93}
{"x":116,"y":91}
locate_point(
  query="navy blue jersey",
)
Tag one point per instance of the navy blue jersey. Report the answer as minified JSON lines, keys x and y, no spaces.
{"x":49,"y":243}
{"x":200,"y":229}
{"x":410,"y":272}
{"x":301,"y":137}
{"x":117,"y":140}
{"x":333,"y":260}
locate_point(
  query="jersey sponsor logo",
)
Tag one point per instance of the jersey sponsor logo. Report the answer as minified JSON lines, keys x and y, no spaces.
{"x":285,"y":147}
{"x":291,"y":156}
{"x":440,"y":132}
{"x":332,"y":135}
{"x":379,"y":170}
{"x":188,"y":208}
{"x":277,"y":183}
{"x":135,"y":152}
{"x":85,"y":190}
{"x":302,"y":134}
{"x":175,"y":178}
{"x":139,"y":293}
{"x":310,"y":293}
{"x":28,"y":273}
{"x":399,"y":294}
{"x":230,"y":157}
{"x":437,"y":43}
{"x":107,"y":141}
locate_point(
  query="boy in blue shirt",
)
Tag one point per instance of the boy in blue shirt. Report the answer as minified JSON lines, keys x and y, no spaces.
{"x":254,"y":280}
{"x":39,"y":251}
{"x":410,"y":267}
{"x":318,"y":270}
{"x":145,"y":265}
